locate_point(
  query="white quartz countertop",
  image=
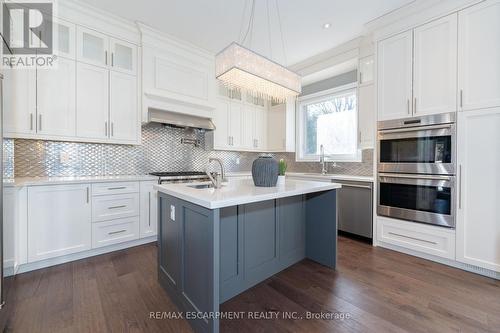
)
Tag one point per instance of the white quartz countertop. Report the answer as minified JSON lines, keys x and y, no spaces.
{"x":38,"y":181}
{"x":329,"y":177}
{"x":242,"y":191}
{"x":311,"y":175}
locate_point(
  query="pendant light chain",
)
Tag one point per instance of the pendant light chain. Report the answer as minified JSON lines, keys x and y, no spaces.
{"x":269,"y":31}
{"x":281,"y":32}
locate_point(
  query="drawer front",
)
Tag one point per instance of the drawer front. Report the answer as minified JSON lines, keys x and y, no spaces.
{"x":109,"y":207}
{"x":115,"y":188}
{"x":116,"y":231}
{"x":414,"y":236}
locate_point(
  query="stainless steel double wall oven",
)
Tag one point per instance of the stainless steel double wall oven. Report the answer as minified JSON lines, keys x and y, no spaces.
{"x":417,"y":170}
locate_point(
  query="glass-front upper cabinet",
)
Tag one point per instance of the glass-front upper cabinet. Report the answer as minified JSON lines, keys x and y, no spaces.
{"x":123,"y":56}
{"x":64,"y":40}
{"x":365,"y":70}
{"x":92,"y":47}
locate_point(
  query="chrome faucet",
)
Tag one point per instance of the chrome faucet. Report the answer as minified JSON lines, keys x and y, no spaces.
{"x":219,"y":178}
{"x":324,"y":167}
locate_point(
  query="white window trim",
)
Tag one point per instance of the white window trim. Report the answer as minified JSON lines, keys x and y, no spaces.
{"x":299,"y":138}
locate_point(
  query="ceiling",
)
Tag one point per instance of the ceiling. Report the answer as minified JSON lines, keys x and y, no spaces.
{"x":213,"y":24}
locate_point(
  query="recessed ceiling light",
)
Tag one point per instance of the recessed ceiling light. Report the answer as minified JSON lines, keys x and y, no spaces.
{"x":326,"y":25}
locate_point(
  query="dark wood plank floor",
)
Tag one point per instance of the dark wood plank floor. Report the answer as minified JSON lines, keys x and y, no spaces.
{"x":375,"y":289}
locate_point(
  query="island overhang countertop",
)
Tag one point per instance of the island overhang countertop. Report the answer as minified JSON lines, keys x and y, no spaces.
{"x":242,"y":191}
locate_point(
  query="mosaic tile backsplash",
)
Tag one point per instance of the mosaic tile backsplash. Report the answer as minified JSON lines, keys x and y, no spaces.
{"x":161,"y":150}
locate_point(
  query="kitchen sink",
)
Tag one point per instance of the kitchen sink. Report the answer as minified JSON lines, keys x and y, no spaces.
{"x":201,"y":186}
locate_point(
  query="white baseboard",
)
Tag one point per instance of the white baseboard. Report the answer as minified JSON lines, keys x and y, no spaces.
{"x":80,"y":255}
{"x":444,"y":261}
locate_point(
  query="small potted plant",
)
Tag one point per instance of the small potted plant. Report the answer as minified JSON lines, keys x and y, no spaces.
{"x":282,"y":170}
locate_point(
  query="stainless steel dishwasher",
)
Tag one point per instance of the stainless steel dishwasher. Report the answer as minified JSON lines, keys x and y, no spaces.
{"x":355,"y":207}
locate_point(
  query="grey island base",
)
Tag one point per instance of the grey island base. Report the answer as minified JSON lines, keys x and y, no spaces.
{"x":209,"y":255}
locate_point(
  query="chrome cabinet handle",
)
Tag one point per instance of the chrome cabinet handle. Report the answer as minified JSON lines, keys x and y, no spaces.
{"x":112,"y":129}
{"x":112,"y":59}
{"x":408,"y":105}
{"x":409,"y":176}
{"x":116,"y":207}
{"x":88,"y":195}
{"x":415,"y":105}
{"x":461,"y":98}
{"x":116,"y":232}
{"x":31,"y":121}
{"x":106,"y":57}
{"x":352,"y":185}
{"x":460,"y":187}
{"x":105,"y":128}
{"x":117,"y":188}
{"x":39,"y":122}
{"x":360,"y":77}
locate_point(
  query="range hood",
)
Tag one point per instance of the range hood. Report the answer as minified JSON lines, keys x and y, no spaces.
{"x":180,"y":119}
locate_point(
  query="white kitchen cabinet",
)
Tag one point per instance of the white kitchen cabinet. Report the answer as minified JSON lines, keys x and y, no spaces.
{"x":435,"y":67}
{"x":19,"y":102}
{"x":478,"y":221}
{"x":394,"y":76}
{"x":478,"y":56}
{"x":92,"y":47}
{"x":115,"y":231}
{"x":365,"y":70}
{"x":221,"y":136}
{"x":276,"y":129}
{"x":247,"y":128}
{"x":10,"y":222}
{"x":59,"y":220}
{"x":64,"y":38}
{"x":149,"y":210}
{"x":366,"y":116}
{"x":235,"y":122}
{"x":110,"y":207}
{"x":123,"y":108}
{"x":123,"y":56}
{"x":419,"y":237}
{"x":56,"y":99}
{"x":259,"y":129}
{"x":92,"y":107}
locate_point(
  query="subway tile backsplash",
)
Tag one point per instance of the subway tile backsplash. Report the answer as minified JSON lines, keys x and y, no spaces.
{"x":161,"y":150}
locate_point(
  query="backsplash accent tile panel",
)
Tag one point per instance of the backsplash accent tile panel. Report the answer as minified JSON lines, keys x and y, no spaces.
{"x":161,"y":150}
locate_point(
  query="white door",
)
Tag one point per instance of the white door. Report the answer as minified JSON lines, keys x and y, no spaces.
{"x":92,"y":116}
{"x":59,"y":220}
{"x":123,"y":56}
{"x":366,"y":116}
{"x":123,"y":111}
{"x":19,"y":101}
{"x":235,"y":124}
{"x":478,"y":57}
{"x":221,"y":120}
{"x":148,"y":208}
{"x":395,"y":76}
{"x":92,"y":47}
{"x":435,"y":67}
{"x":478,"y":223}
{"x":260,"y":129}
{"x":56,"y":99}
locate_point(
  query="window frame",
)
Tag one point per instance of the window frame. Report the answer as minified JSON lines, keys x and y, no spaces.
{"x":300,"y":156}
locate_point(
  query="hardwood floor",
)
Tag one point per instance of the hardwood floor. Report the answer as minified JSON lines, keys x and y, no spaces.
{"x":377,"y":289}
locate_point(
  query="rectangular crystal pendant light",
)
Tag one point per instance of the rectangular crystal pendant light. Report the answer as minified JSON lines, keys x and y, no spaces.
{"x":241,"y":68}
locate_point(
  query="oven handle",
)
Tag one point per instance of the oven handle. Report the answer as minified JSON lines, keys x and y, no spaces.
{"x":415,"y":129}
{"x":430,"y":177}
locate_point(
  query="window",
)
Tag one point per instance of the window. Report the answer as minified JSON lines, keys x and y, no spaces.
{"x":329,"y":119}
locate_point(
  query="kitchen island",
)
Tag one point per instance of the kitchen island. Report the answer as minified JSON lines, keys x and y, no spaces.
{"x":216,"y":243}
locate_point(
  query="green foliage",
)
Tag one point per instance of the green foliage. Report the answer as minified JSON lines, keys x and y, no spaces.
{"x":282,"y":167}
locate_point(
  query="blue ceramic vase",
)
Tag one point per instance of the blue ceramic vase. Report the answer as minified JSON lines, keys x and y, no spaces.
{"x":265,"y":171}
